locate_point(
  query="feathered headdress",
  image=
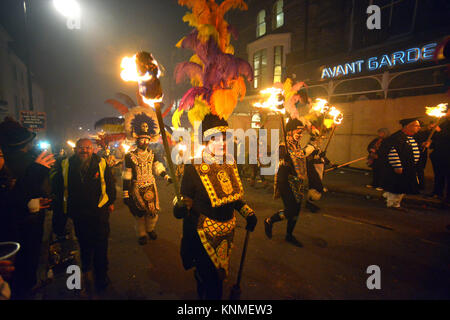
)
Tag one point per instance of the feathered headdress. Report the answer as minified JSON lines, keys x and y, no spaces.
{"x":217,"y":76}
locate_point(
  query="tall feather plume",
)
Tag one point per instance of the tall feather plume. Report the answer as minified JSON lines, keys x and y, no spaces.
{"x":123,"y":109}
{"x":217,"y":75}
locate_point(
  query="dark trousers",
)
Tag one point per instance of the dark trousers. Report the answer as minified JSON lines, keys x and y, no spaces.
{"x":59,"y":221}
{"x":92,"y":231}
{"x":209,"y":278}
{"x":30,"y":232}
{"x":441,"y":175}
{"x":376,"y":175}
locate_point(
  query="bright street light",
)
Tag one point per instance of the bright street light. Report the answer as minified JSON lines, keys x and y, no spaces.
{"x":68,"y":8}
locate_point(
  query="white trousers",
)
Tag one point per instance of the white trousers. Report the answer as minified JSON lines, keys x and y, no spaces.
{"x":393,"y":199}
{"x":145,"y":224}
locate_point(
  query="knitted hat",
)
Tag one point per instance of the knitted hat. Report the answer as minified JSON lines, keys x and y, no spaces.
{"x":13,"y":134}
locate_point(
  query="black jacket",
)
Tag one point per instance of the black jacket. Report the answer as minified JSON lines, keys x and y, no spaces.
{"x":399,"y":183}
{"x":83,"y":194}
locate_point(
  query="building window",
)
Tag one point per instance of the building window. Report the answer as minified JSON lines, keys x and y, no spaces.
{"x":261,"y":24}
{"x":277,"y":64}
{"x":278,"y":14}
{"x":259,"y":67}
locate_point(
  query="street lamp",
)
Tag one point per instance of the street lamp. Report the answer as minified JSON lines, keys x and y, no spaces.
{"x":68,"y":8}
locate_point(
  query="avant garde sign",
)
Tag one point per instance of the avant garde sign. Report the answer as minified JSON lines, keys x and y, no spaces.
{"x":375,"y":63}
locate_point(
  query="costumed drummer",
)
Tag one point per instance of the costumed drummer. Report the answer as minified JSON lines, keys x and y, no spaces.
{"x":211,"y":191}
{"x":290,"y":180}
{"x":139,"y":187}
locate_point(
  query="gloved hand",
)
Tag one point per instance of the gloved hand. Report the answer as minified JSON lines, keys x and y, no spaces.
{"x":251,"y":222}
{"x":181,"y":207}
{"x":322,"y":154}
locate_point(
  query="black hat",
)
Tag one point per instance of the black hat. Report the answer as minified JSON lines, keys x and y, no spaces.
{"x":293,"y":124}
{"x":212,"y":124}
{"x":405,"y":122}
{"x":12,"y":134}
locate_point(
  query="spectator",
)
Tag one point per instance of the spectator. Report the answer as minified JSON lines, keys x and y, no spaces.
{"x":421,"y":138}
{"x":373,"y":159}
{"x":85,"y":190}
{"x":28,"y":199}
{"x":440,"y":158}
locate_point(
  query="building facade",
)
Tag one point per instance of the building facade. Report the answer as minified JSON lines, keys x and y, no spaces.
{"x":375,"y":76}
{"x":14,"y":96}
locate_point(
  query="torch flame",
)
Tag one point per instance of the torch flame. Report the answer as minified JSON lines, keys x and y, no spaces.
{"x":336,"y":114}
{"x":439,"y":111}
{"x":273,"y":102}
{"x":130,"y":71}
{"x":71,"y":143}
{"x":321,"y":106}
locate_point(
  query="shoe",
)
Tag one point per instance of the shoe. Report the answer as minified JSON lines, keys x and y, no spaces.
{"x":379,"y":189}
{"x":268,"y":228}
{"x":291,"y":239}
{"x":152,"y":235}
{"x":142,"y":240}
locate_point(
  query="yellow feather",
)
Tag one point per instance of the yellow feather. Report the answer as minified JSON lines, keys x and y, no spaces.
{"x":224,"y":101}
{"x":176,"y":118}
{"x":199,"y":111}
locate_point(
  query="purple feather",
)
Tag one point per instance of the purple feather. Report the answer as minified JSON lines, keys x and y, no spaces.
{"x":187,"y":69}
{"x":188,"y":99}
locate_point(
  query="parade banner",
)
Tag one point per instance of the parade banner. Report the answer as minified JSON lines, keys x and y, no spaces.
{"x":34,"y":121}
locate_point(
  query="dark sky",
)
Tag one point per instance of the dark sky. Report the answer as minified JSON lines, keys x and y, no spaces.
{"x":80,"y":69}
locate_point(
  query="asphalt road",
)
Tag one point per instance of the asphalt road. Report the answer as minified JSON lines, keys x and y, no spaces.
{"x":340,"y":242}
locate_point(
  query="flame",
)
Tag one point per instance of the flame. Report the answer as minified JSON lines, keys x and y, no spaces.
{"x":151,"y":102}
{"x":321,"y":106}
{"x":337,"y":115}
{"x":71,"y":143}
{"x":439,"y":111}
{"x":130,"y":72}
{"x":273,"y":102}
{"x":126,"y":147}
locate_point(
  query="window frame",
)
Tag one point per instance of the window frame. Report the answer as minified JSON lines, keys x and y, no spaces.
{"x":261,"y":22}
{"x":280,"y":64}
{"x":277,"y":13}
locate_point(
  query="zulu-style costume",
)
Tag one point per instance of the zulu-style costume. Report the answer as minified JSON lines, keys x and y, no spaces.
{"x":139,"y":187}
{"x":290,"y":180}
{"x":208,"y":229}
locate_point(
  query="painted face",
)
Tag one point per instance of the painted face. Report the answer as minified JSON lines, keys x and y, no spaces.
{"x":217,"y":145}
{"x":143,"y":143}
{"x":84,"y":149}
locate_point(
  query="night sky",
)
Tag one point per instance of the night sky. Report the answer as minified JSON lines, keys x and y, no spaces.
{"x":80,"y":69}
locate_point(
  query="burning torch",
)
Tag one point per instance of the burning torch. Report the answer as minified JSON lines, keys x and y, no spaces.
{"x":143,"y":69}
{"x":439,"y":112}
{"x":337,"y":119}
{"x":274,"y":103}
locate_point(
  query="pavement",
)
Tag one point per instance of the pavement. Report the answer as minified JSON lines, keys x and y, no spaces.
{"x":354,"y":181}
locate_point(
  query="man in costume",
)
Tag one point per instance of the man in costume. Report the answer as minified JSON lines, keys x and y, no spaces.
{"x":140,"y":193}
{"x":290,"y":180}
{"x":400,"y":153}
{"x":211,"y":191}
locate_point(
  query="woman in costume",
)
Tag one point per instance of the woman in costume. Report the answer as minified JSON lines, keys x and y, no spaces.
{"x":211,"y":188}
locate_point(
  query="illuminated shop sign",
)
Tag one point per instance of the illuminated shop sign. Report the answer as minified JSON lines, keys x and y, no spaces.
{"x":375,"y":63}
